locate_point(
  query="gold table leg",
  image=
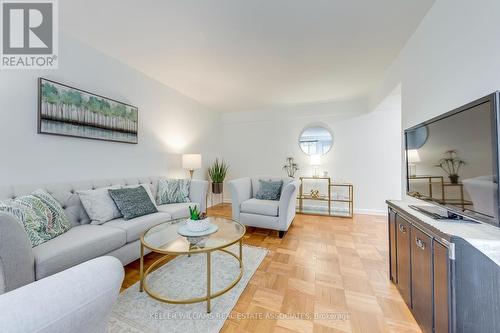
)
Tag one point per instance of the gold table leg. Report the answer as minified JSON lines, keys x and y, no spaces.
{"x":241,"y":253}
{"x":209,"y":269}
{"x":141,"y":269}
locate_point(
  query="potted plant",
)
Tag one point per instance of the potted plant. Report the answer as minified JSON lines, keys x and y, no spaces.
{"x":198,"y":221}
{"x":217,"y":172}
{"x":290,"y":167}
{"x":451,"y":164}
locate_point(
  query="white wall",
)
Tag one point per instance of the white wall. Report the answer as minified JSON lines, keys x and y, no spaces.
{"x":169,"y":124}
{"x":365,"y":150}
{"x":451,"y":59}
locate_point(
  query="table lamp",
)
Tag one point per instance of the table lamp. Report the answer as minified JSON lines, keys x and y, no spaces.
{"x":315,"y":162}
{"x":413,"y":159}
{"x":191,"y":162}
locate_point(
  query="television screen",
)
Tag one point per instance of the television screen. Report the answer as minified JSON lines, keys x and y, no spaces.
{"x":452,"y":160}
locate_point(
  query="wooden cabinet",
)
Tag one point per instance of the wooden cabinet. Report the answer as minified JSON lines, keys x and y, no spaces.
{"x":419,"y":265}
{"x":421,"y":277}
{"x":403,"y":262}
{"x":441,"y":288}
{"x":392,"y":247}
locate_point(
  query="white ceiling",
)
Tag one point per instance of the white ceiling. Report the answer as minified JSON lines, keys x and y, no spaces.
{"x":233,"y":55}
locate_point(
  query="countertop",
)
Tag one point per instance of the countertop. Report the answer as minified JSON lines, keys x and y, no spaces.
{"x":484,"y":237}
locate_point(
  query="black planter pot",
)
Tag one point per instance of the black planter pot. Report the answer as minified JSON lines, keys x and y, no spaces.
{"x":216,"y":188}
{"x":453,"y":179}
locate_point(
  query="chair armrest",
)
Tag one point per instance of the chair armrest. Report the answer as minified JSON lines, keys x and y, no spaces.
{"x":241,"y":190}
{"x":17,"y":262}
{"x":198,"y":191}
{"x":287,"y":205}
{"x":78,"y":299}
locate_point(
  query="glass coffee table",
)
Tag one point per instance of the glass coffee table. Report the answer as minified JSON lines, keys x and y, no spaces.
{"x":164,"y":239}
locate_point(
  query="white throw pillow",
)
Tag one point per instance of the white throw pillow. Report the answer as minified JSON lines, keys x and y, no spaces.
{"x":99,"y":205}
{"x":147,"y":187}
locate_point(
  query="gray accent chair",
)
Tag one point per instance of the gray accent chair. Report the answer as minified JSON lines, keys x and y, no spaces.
{"x":78,"y":299}
{"x":21,"y":264}
{"x":268,"y":214}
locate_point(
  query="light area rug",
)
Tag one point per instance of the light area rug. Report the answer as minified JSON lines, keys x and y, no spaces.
{"x":185,"y":277}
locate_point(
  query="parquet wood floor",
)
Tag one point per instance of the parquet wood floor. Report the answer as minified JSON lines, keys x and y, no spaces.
{"x":323,"y":265}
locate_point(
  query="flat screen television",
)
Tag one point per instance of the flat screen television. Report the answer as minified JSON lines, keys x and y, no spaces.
{"x":452,"y":160}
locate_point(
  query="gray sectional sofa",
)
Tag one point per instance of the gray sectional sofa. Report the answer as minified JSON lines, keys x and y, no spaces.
{"x":21,"y":264}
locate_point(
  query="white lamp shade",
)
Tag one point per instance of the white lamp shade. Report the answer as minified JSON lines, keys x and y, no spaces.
{"x":413,"y":156}
{"x":191,"y":161}
{"x":315,"y":160}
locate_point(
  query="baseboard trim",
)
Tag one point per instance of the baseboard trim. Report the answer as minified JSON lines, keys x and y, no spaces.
{"x":363,"y":211}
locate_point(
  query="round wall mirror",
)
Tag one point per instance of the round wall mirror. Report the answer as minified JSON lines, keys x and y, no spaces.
{"x":316,"y":140}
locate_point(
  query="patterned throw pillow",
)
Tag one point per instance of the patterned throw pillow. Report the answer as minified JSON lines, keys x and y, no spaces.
{"x":173,"y":191}
{"x":58,"y":221}
{"x":269,"y":190}
{"x":41,"y":216}
{"x":133,"y":202}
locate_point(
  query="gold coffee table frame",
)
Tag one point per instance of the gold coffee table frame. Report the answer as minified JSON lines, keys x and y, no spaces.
{"x":167,"y":254}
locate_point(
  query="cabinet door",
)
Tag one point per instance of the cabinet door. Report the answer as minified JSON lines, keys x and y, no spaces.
{"x":421,"y":277}
{"x":403,"y":258}
{"x":392,"y":247}
{"x":441,"y":288}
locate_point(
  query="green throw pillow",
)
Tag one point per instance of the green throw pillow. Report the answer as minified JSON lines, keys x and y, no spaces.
{"x":41,"y":216}
{"x":133,"y":202}
{"x":269,"y":190}
{"x":173,"y":191}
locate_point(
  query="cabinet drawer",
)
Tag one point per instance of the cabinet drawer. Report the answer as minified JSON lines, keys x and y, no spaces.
{"x":403,"y":259}
{"x":421,"y":277}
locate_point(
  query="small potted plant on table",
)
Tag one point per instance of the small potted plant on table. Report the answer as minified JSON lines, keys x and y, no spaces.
{"x":198,"y":221}
{"x":451,"y":164}
{"x":217,"y":172}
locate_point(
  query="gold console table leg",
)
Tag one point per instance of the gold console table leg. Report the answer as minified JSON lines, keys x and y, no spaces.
{"x":141,"y":269}
{"x":209,"y":269}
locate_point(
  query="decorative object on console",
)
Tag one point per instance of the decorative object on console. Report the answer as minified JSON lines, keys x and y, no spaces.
{"x":191,"y":162}
{"x":68,"y":111}
{"x":269,"y":190}
{"x":315,"y":162}
{"x":451,"y":164}
{"x":217,"y":172}
{"x":133,"y":202}
{"x":315,"y":194}
{"x":290,"y":167}
{"x":316,"y":140}
{"x":173,"y":191}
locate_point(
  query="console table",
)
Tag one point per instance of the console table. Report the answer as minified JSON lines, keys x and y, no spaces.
{"x":332,"y":196}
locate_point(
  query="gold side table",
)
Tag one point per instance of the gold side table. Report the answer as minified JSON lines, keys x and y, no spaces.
{"x":230,"y":232}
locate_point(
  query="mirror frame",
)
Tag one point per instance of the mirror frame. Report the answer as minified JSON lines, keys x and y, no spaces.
{"x":315,"y":125}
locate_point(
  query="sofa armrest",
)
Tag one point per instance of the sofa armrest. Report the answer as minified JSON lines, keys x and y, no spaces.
{"x":198,"y":191}
{"x":241,"y":190}
{"x":287,"y":205}
{"x":17,"y":262}
{"x":78,"y":299}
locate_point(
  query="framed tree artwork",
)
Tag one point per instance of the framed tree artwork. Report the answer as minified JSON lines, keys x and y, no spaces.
{"x":68,"y":111}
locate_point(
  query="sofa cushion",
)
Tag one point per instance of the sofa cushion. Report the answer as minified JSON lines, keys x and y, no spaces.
{"x":256,"y":182}
{"x":173,"y":191}
{"x":269,"y":190}
{"x":178,"y":210}
{"x":133,"y":202}
{"x":99,"y":205}
{"x":261,"y":207}
{"x":134,"y":228}
{"x":79,"y":244}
